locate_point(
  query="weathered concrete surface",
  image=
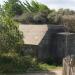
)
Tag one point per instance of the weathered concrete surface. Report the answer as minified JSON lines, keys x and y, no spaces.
{"x":58,"y":72}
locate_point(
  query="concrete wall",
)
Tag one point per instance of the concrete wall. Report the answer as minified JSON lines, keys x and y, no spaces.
{"x":62,"y":51}
{"x":48,"y":46}
{"x":54,"y":45}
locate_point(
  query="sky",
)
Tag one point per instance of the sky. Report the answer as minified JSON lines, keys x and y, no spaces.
{"x":55,"y":4}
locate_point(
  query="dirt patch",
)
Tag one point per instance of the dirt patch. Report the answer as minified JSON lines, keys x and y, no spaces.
{"x":52,"y":72}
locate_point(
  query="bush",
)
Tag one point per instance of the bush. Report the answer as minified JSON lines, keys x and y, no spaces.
{"x":12,"y":62}
{"x":54,"y":18}
{"x":10,"y":65}
{"x":10,"y":36}
{"x":24,"y":18}
{"x":69,"y":22}
{"x":13,"y":8}
{"x":34,"y":18}
{"x":40,"y":18}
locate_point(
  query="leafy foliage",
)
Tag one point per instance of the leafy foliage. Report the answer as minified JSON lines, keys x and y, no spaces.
{"x":34,"y":12}
{"x":35,"y":6}
{"x":54,"y":18}
{"x":13,"y":7}
{"x":66,"y":12}
{"x":17,"y":64}
{"x":69,"y":22}
{"x":25,"y":18}
{"x":40,"y":18}
{"x":10,"y":36}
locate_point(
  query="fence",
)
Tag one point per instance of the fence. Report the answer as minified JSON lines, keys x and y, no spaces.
{"x":68,"y":66}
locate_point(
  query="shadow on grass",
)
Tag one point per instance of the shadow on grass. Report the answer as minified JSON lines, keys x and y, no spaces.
{"x":35,"y":73}
{"x":42,"y":73}
{"x":21,"y":66}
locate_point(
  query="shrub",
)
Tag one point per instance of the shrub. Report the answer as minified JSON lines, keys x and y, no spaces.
{"x":18,"y":64}
{"x":10,"y":36}
{"x":24,"y":18}
{"x":54,"y":18}
{"x":39,"y":18}
{"x":69,"y":22}
{"x":13,"y":8}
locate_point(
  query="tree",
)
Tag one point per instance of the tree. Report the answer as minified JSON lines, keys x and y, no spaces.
{"x":35,"y":6}
{"x":10,"y":36}
{"x":34,"y":12}
{"x":54,"y":18}
{"x":40,"y":17}
{"x":13,"y":7}
{"x":61,"y":11}
{"x":69,"y":22}
{"x":25,"y":18}
{"x":66,"y":12}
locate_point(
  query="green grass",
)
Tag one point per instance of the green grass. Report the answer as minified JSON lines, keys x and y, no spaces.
{"x":49,"y":67}
{"x":13,"y":63}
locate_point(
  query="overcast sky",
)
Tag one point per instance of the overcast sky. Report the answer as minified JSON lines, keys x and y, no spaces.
{"x":55,"y":4}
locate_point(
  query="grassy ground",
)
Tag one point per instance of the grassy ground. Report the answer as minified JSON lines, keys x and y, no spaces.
{"x":49,"y":67}
{"x":14,"y":63}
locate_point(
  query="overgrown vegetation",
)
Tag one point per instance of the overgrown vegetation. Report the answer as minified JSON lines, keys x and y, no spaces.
{"x":10,"y":36}
{"x":69,"y":22}
{"x":13,"y":7}
{"x":13,"y":62}
{"x":49,"y":67}
{"x":11,"y":40}
{"x":11,"y":58}
{"x":36,"y":13}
